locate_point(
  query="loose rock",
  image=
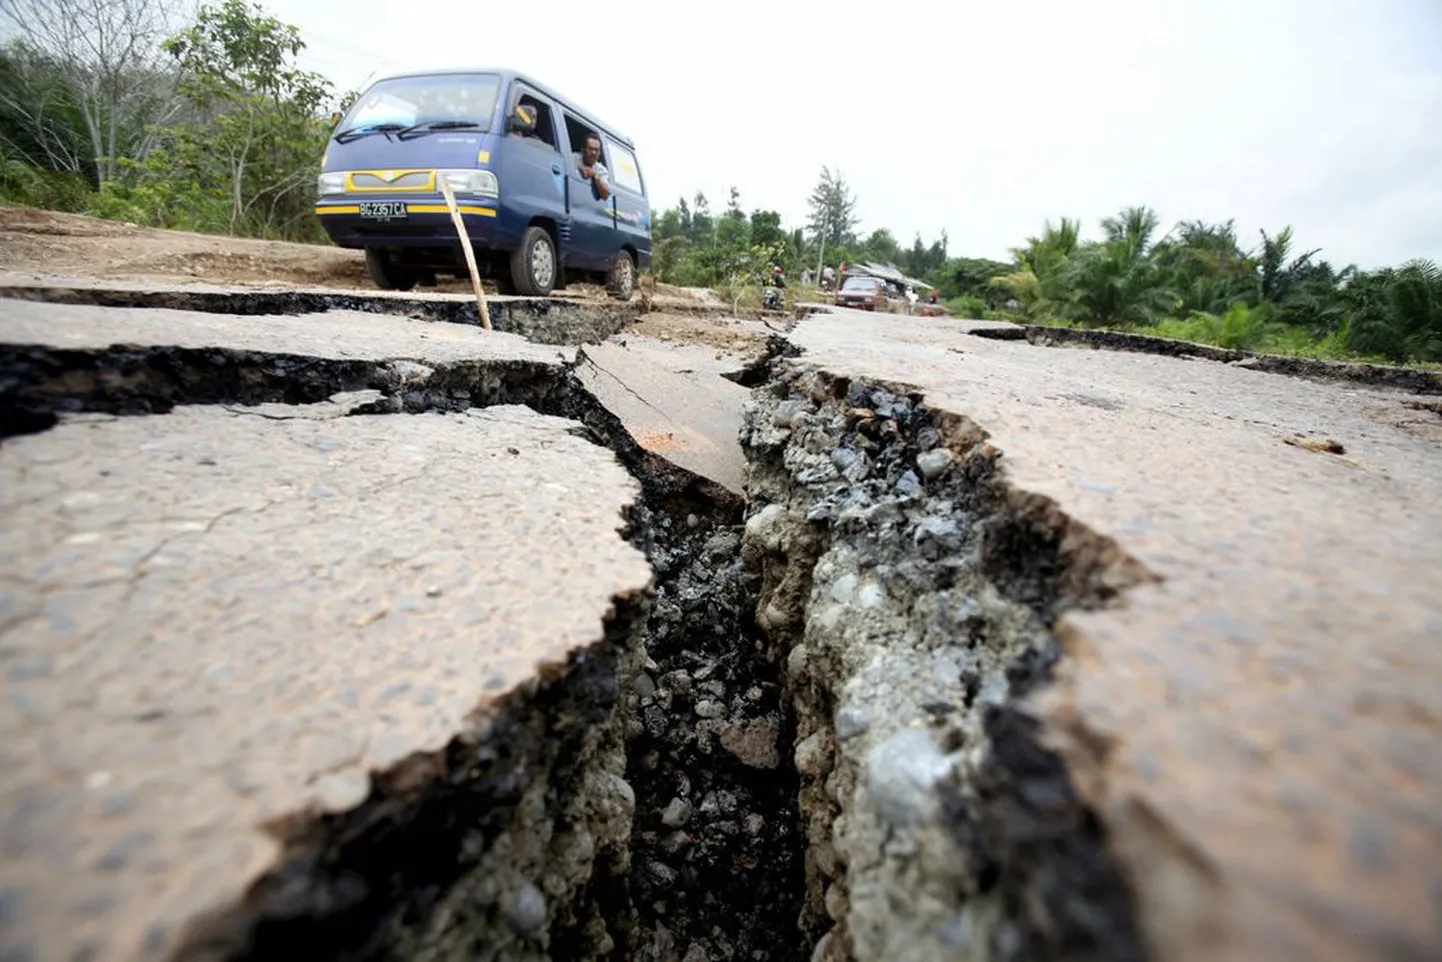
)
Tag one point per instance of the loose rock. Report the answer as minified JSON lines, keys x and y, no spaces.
{"x":525,"y":909}
{"x":932,"y":464}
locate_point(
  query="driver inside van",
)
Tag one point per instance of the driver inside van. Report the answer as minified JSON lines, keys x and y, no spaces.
{"x":588,"y":164}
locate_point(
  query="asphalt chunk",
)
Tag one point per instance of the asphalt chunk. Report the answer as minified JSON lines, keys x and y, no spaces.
{"x":221,"y":627}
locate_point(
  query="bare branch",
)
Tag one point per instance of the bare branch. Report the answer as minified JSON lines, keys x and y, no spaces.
{"x":108,"y":53}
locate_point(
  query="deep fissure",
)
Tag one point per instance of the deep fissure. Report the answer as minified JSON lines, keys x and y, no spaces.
{"x":816,"y":709}
{"x":912,"y":594}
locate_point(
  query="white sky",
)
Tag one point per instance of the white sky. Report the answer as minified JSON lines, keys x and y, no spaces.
{"x":983,"y":117}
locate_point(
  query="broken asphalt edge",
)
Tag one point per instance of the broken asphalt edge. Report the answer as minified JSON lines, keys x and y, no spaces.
{"x":1415,"y":380}
{"x":924,"y":767}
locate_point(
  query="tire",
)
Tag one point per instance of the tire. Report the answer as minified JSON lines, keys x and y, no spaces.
{"x":533,"y":264}
{"x":387,"y":274}
{"x":621,"y":281}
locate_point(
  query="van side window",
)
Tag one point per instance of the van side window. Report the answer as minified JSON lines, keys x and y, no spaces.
{"x":545,"y":123}
{"x":578,"y":132}
{"x":624,"y":172}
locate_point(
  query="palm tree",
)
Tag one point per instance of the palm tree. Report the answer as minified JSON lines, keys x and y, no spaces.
{"x":1278,"y":274}
{"x":1039,"y":281}
{"x":1397,"y":313}
{"x":1206,"y":267}
{"x":1134,"y":225}
{"x":1115,"y":281}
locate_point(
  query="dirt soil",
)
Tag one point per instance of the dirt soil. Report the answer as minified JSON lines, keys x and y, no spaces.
{"x":53,"y":243}
{"x":732,"y":335}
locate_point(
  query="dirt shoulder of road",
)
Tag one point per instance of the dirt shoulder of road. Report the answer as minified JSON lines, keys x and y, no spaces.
{"x":53,"y":243}
{"x":56,"y":243}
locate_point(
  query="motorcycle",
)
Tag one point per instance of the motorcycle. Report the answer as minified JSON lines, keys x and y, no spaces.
{"x":773,"y":297}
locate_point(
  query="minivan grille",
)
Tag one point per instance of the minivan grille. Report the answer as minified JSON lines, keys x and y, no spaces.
{"x":392,"y":180}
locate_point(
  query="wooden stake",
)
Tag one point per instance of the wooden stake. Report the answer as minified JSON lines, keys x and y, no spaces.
{"x":470,"y":254}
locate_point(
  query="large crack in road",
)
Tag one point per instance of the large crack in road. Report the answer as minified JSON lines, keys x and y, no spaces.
{"x":634,"y":802}
{"x":558,"y":696}
{"x":912,"y":597}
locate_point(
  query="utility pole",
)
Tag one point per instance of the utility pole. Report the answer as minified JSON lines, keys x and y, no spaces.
{"x":821,"y":253}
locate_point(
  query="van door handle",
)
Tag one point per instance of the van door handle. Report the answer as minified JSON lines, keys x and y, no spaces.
{"x":555,"y":168}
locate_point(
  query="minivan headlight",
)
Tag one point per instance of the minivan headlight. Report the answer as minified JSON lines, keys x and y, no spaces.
{"x":476,"y":182}
{"x":331,"y":183}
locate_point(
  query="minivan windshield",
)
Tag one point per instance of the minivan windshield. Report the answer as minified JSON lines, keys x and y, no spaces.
{"x":437,"y":101}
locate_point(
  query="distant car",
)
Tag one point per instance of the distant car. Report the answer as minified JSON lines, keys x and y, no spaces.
{"x":862,"y":293}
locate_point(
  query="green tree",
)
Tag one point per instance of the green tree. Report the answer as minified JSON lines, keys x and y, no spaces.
{"x":1039,"y":281}
{"x":1317,"y":302}
{"x":85,"y":82}
{"x":1240,"y":327}
{"x":45,"y":153}
{"x":733,"y":206}
{"x":972,"y":277}
{"x":924,"y":260}
{"x":702,"y":227}
{"x":766,"y":228}
{"x":1115,"y":281}
{"x":1397,"y":313}
{"x":668,"y":257}
{"x":881,"y":247}
{"x":247,"y":164}
{"x":1207,"y":268}
{"x":669,"y":223}
{"x":833,"y":210}
{"x":1278,"y":273}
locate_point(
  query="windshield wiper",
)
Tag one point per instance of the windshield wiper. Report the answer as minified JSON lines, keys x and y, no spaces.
{"x":365,"y":130}
{"x":418,"y":129}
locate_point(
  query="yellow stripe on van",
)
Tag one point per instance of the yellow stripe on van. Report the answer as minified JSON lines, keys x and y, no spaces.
{"x":443,"y":209}
{"x":410,"y":208}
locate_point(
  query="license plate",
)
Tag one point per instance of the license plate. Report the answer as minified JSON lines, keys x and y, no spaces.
{"x":383,"y":209}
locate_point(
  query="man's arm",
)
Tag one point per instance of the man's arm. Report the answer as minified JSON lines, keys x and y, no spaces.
{"x":598,"y":177}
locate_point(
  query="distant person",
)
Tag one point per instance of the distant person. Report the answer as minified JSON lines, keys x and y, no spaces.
{"x":589,"y":166}
{"x":910,"y":300}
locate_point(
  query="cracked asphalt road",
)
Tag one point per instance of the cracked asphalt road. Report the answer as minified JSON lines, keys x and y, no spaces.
{"x":218,"y":617}
{"x":196,"y":608}
{"x":1260,"y":731}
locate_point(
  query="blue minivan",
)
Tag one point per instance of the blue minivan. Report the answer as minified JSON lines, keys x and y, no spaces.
{"x":517,"y":158}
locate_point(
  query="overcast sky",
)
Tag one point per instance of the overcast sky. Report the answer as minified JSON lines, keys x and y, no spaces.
{"x":982,"y":117}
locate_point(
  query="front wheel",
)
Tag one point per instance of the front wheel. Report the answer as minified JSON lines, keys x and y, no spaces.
{"x":622,"y":280}
{"x":388,"y":275}
{"x":533,"y":264}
